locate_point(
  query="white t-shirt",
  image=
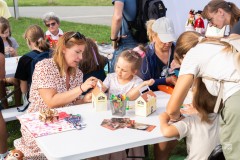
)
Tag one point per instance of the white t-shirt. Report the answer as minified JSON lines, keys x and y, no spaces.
{"x":210,"y":60}
{"x":202,"y":137}
{"x":60,"y":33}
{"x":111,"y":82}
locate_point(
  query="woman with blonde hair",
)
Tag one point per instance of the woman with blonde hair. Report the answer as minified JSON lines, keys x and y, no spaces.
{"x":220,"y":13}
{"x":159,"y":53}
{"x":57,"y":82}
{"x":156,"y":65}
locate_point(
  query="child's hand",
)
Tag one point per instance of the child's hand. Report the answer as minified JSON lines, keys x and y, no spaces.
{"x":87,"y":98}
{"x":149,"y":82}
{"x":12,"y":51}
{"x":171,"y":80}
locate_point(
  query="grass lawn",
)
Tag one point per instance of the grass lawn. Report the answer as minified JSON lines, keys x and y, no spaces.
{"x":61,"y":2}
{"x":97,"y":32}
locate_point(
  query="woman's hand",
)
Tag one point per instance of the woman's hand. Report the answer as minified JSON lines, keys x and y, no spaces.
{"x":89,"y":83}
{"x":87,"y":98}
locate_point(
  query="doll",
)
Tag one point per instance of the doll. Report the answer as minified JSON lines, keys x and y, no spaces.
{"x":190,"y":21}
{"x":15,"y":155}
{"x":199,"y":24}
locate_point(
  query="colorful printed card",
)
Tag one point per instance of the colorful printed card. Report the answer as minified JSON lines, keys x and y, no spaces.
{"x":38,"y":128}
{"x":117,"y":123}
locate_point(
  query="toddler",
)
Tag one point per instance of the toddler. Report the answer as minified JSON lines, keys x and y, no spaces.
{"x":125,"y":81}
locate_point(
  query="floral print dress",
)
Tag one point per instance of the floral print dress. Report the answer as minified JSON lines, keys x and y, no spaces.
{"x":46,"y":75}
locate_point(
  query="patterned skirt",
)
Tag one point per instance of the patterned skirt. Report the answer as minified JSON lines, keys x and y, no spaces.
{"x":28,"y":146}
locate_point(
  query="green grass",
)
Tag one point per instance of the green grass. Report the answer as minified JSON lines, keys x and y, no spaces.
{"x":97,"y":32}
{"x":61,"y":2}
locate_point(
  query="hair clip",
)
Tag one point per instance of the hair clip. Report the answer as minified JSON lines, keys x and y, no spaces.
{"x":40,"y":39}
{"x":139,"y":51}
{"x":95,"y":57}
{"x":229,"y":4}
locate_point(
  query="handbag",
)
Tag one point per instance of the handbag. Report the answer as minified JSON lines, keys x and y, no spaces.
{"x":217,"y":153}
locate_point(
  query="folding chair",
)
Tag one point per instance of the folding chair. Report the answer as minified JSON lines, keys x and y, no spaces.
{"x":146,"y":154}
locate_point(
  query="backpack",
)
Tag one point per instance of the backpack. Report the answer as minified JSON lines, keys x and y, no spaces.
{"x":35,"y":59}
{"x":146,"y":10}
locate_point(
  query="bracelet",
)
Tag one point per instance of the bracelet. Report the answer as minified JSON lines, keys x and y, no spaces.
{"x":176,"y":120}
{"x":115,"y":39}
{"x":81,"y":88}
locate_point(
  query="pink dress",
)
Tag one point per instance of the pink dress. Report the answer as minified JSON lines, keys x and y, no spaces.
{"x":46,"y":75}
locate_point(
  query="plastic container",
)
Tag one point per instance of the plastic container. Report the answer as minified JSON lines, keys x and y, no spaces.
{"x":118,"y":107}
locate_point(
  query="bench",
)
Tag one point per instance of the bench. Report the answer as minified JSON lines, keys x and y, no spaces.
{"x":11,"y":114}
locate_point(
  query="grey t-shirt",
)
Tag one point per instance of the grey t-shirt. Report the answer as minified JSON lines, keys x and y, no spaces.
{"x":14,"y":43}
{"x":129,"y":11}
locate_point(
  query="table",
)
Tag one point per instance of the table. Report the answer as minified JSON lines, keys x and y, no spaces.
{"x":106,"y":50}
{"x":96,"y":140}
{"x":11,"y":66}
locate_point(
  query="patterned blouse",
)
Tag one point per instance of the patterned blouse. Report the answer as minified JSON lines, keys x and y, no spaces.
{"x":47,"y":75}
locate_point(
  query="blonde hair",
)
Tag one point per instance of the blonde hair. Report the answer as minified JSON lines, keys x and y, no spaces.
{"x":228,"y":7}
{"x":35,"y":34}
{"x":151,"y":34}
{"x":68,"y":40}
{"x":131,"y":57}
{"x":184,"y":43}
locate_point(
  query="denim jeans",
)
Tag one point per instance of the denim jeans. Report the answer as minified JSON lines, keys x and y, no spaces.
{"x":126,"y":43}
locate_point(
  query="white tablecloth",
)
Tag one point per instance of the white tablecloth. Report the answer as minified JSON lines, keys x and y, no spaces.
{"x":96,"y":140}
{"x":11,"y":66}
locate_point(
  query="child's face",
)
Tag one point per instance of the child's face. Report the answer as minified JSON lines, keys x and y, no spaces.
{"x":123,"y":69}
{"x":5,"y":34}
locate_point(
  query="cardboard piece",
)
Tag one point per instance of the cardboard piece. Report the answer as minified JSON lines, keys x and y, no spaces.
{"x":99,"y":99}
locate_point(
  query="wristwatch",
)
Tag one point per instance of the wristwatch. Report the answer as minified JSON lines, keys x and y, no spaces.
{"x":115,"y":39}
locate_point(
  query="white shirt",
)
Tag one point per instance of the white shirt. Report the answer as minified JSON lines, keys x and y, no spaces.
{"x":210,"y":60}
{"x":202,"y":137}
{"x":114,"y":87}
{"x":60,"y":33}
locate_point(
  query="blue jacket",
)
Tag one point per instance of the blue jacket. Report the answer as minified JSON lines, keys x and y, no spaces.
{"x":153,"y":67}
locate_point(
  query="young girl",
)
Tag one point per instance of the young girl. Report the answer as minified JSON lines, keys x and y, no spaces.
{"x":92,"y":63}
{"x":202,"y":129}
{"x":125,"y":81}
{"x":10,"y":43}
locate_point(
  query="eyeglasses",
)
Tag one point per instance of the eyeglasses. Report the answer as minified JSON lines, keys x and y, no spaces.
{"x":77,"y":35}
{"x":51,"y":24}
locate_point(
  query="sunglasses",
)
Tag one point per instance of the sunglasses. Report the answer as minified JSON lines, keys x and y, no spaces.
{"x":77,"y":35}
{"x":51,"y":24}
